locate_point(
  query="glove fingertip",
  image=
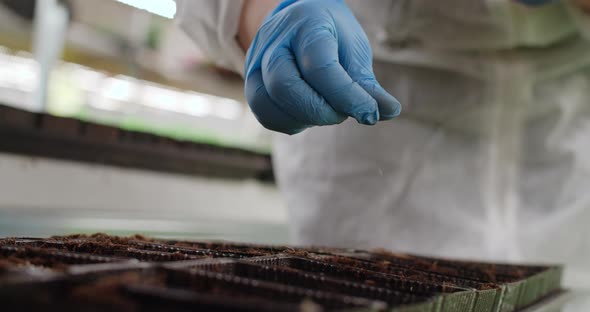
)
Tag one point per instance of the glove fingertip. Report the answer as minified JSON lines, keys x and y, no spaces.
{"x":394,"y":109}
{"x":366,"y":111}
{"x":292,"y":132}
{"x":389,"y":106}
{"x":370,"y":118}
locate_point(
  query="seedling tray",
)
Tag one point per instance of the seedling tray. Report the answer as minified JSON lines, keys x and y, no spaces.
{"x":306,"y":279}
{"x":101,"y":272}
{"x":521,"y":285}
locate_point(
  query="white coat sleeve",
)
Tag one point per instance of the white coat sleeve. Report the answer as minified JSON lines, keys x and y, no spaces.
{"x":213,"y":25}
{"x":581,"y":18}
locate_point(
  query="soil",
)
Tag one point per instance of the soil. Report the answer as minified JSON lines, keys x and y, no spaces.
{"x":30,"y":257}
{"x":199,"y":253}
{"x":109,"y":246}
{"x":220,"y":285}
{"x":351,"y":274}
{"x":301,"y":278}
{"x":231,"y":248}
{"x":105,"y":293}
{"x":157,"y":256}
{"x":298,"y":253}
{"x":409,"y":274}
{"x":104,"y":238}
{"x":10,"y":262}
{"x":486,"y":272}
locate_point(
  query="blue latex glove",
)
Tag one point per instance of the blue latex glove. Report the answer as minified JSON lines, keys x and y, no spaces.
{"x":311,"y":65}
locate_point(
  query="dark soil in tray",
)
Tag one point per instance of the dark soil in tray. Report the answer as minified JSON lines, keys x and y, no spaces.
{"x":165,"y":299}
{"x":193,"y":250}
{"x":229,"y":286}
{"x":107,"y":292}
{"x":487,"y":272}
{"x":325,"y":269}
{"x":306,"y":279}
{"x":237,"y":249}
{"x":12,"y":257}
{"x":134,"y":247}
{"x":100,"y":272}
{"x":93,"y":292}
{"x":12,"y":262}
{"x":405,"y":273}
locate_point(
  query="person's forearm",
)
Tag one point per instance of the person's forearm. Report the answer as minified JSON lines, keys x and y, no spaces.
{"x":253,"y":14}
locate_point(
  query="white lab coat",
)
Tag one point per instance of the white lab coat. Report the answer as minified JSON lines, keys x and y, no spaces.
{"x":490,"y":158}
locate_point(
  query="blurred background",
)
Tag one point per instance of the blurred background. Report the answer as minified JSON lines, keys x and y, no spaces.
{"x":125,"y":64}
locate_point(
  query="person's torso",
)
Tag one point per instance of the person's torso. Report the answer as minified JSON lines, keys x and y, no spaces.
{"x":465,"y":25}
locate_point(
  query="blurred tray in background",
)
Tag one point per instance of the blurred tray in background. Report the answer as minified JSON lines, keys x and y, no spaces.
{"x":24,"y":132}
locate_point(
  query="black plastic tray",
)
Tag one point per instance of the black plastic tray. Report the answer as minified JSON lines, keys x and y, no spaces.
{"x":98,"y":273}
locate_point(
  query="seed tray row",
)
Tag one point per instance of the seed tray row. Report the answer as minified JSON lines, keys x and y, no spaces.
{"x":136,"y":287}
{"x":151,"y":275}
{"x":522,"y":285}
{"x":40,"y":134}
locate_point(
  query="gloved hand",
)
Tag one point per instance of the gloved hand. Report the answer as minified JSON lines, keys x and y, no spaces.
{"x":310,"y":64}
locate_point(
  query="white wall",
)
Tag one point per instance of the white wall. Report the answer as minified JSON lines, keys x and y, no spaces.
{"x":41,"y":197}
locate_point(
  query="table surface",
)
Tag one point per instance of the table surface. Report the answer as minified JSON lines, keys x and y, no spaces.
{"x":569,"y":301}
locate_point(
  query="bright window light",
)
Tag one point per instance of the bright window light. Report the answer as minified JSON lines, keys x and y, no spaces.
{"x":18,"y":73}
{"x":196,"y":104}
{"x":160,"y":97}
{"x":227,"y":109}
{"x":120,"y":88}
{"x":165,"y":8}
